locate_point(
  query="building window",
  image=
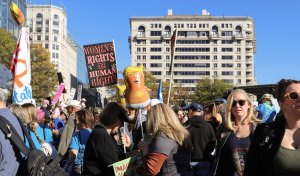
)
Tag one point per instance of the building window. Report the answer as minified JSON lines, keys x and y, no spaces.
{"x":38,"y":37}
{"x":227,"y":57}
{"x":138,"y":57}
{"x":144,"y":57}
{"x":227,"y":65}
{"x":144,"y":49}
{"x":215,"y":41}
{"x":47,"y":37}
{"x":138,"y":50}
{"x":227,"y":33}
{"x":167,"y":57}
{"x":227,"y":73}
{"x":238,"y":42}
{"x":144,"y":65}
{"x":227,"y":49}
{"x":53,"y":46}
{"x":215,"y":49}
{"x":215,"y":57}
{"x":46,"y":45}
{"x":215,"y":65}
{"x":155,"y":57}
{"x":238,"y":50}
{"x":239,"y":81}
{"x":154,"y":42}
{"x":56,"y":54}
{"x":239,"y":73}
{"x":216,"y":73}
{"x":156,"y":72}
{"x":155,"y":33}
{"x":156,"y":65}
{"x":167,"y":49}
{"x":238,"y":65}
{"x":57,"y":47}
{"x":238,"y":57}
{"x":141,"y":42}
{"x":55,"y":38}
{"x":155,"y":49}
{"x":227,"y":41}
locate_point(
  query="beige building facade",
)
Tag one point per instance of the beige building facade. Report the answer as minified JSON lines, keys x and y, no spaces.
{"x":48,"y":26}
{"x":206,"y":47}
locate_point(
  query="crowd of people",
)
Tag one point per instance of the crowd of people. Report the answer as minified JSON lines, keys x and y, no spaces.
{"x":224,"y":138}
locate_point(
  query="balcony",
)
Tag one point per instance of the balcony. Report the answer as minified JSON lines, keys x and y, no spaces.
{"x":166,"y":36}
{"x":140,"y":36}
{"x":249,"y":45}
{"x":238,"y":36}
{"x":214,"y":36}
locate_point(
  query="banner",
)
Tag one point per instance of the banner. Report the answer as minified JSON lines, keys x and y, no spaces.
{"x":59,"y":91}
{"x":72,"y":94}
{"x":21,"y":69}
{"x":101,"y":64}
{"x":132,"y":166}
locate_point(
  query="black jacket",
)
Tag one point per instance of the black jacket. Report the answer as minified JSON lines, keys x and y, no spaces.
{"x":203,"y":138}
{"x":265,"y":143}
{"x":101,"y":151}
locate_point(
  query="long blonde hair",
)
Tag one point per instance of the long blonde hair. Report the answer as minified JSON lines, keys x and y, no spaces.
{"x":229,"y":116}
{"x":161,"y":118}
{"x":30,"y":113}
{"x":18,"y":111}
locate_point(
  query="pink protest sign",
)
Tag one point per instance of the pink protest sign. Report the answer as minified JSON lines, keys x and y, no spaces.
{"x":58,"y":93}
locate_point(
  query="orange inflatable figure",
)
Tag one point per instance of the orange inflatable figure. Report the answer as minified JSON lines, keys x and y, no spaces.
{"x":136,"y":94}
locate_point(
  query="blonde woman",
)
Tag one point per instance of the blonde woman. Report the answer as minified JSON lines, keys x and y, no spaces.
{"x":234,"y":138}
{"x":170,"y":149}
{"x":39,"y":133}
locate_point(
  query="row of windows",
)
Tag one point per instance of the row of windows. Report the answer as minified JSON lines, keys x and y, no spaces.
{"x":191,"y":42}
{"x":194,"y":25}
{"x":186,"y":57}
{"x":192,"y":49}
{"x":199,"y":57}
{"x":206,"y":73}
{"x":200,"y":65}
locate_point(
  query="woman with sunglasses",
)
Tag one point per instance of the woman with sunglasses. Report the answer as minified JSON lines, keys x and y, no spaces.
{"x":275,"y":147}
{"x":233,"y":138}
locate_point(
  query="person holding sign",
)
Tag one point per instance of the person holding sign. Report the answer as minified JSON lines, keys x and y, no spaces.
{"x":101,"y":149}
{"x":169,"y":152}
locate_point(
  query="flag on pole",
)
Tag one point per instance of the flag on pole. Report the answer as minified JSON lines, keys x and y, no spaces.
{"x":173,"y":43}
{"x":21,"y":69}
{"x":159,"y":92}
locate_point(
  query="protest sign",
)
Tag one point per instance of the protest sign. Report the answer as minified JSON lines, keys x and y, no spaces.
{"x":101,"y":64}
{"x":58,"y":93}
{"x":132,"y":166}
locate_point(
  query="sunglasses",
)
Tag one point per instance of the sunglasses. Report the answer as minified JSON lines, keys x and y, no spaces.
{"x":240,"y":102}
{"x":292,"y":95}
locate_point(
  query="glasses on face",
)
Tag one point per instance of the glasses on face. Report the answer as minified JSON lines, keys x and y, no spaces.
{"x":240,"y":102}
{"x":292,"y":95}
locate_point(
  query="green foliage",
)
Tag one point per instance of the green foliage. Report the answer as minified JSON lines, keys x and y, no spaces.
{"x":43,"y":75}
{"x":7,"y":46}
{"x":207,"y":90}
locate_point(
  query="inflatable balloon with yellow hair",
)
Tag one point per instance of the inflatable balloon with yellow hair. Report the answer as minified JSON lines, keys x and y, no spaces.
{"x":136,"y":93}
{"x":120,"y":95}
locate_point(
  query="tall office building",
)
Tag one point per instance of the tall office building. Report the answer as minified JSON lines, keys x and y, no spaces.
{"x":6,"y":20}
{"x":206,"y":47}
{"x":48,"y":26}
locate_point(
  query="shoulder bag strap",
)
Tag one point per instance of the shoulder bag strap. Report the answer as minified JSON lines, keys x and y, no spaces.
{"x":11,"y":133}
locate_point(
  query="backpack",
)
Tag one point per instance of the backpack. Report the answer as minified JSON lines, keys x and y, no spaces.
{"x":36,"y":163}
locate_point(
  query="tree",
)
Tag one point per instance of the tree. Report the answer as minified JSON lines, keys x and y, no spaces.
{"x":43,"y":75}
{"x":7,"y":46}
{"x":207,"y":90}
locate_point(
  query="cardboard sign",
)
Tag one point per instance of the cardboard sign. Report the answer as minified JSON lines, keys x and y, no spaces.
{"x":132,"y":166}
{"x":101,"y":64}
